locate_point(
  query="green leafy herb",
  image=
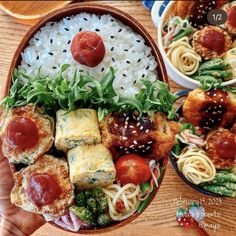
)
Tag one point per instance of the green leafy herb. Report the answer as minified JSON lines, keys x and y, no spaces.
{"x":85,"y":91}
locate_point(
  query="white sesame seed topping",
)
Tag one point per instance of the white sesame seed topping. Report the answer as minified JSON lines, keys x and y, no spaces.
{"x":126,"y":122}
{"x":124,"y":138}
{"x":147,"y":131}
{"x":135,"y":142}
{"x":148,"y":147}
{"x":149,"y":142}
{"x":131,"y":126}
{"x":141,"y":127}
{"x":138,"y":124}
{"x":131,"y":146}
{"x":134,"y":131}
{"x":127,"y":118}
{"x":126,"y":149}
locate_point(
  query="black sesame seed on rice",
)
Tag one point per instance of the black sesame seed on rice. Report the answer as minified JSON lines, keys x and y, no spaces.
{"x":69,"y":41}
{"x":68,"y":18}
{"x":51,"y":40}
{"x":143,"y":75}
{"x":138,"y":41}
{"x":124,"y":75}
{"x":37,"y":39}
{"x":97,"y":30}
{"x":113,"y":59}
{"x":148,"y":55}
{"x":99,"y":17}
{"x":52,"y":24}
{"x":66,"y":29}
{"x":28,"y":65}
{"x":112,"y":36}
{"x":122,"y":87}
{"x":85,"y":19}
{"x":112,"y":49}
{"x":126,"y":50}
{"x":128,"y":62}
{"x":64,"y":50}
{"x":80,"y":29}
{"x":50,"y":53}
{"x":37,"y":57}
{"x":81,"y":71}
{"x":139,"y":60}
{"x":147,"y":67}
{"x":135,"y":82}
{"x":112,"y":20}
{"x":54,"y":67}
{"x":119,"y":30}
{"x":102,"y":69}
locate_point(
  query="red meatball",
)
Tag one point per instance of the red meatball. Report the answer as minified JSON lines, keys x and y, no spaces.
{"x":87,"y":48}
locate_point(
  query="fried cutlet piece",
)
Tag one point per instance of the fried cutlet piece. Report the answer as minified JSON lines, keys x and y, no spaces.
{"x":230,"y":24}
{"x":221,"y":148}
{"x":128,"y":133}
{"x":26,"y":133}
{"x":197,"y":10}
{"x":211,"y":42}
{"x":43,"y":188}
{"x":210,"y":109}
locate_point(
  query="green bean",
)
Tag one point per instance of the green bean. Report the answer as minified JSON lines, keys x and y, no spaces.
{"x":217,"y":73}
{"x":225,"y":177}
{"x":186,"y":32}
{"x":145,"y":187}
{"x":142,"y":205}
{"x":220,"y":190}
{"x":214,"y":64}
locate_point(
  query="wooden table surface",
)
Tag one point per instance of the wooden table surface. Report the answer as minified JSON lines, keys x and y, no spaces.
{"x":159,"y":218}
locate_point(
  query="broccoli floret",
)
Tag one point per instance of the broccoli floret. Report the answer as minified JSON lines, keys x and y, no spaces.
{"x":92,"y":205}
{"x":80,"y":199}
{"x":97,"y":193}
{"x":103,"y":219}
{"x":83,"y":213}
{"x":102,"y":204}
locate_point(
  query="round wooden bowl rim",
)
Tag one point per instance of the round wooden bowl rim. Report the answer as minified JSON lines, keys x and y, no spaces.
{"x":133,"y":24}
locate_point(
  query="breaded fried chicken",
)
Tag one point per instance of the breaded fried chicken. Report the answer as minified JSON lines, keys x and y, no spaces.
{"x":128,"y":133}
{"x":210,"y":109}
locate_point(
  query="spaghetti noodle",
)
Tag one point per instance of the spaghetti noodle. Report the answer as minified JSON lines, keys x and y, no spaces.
{"x":183,"y":57}
{"x":196,"y":166}
{"x":127,"y":194}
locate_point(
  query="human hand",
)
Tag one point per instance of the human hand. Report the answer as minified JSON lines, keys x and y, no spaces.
{"x":14,"y":221}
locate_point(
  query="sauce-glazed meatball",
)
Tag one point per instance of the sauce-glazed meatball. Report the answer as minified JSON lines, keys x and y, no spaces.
{"x":211,"y":42}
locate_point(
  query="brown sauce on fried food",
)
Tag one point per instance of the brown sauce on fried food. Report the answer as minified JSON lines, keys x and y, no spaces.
{"x":213,"y":109}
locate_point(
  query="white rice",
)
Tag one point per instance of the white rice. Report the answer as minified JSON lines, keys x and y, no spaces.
{"x":125,"y":51}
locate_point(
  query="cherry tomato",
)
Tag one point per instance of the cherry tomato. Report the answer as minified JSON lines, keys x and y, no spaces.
{"x":132,"y":168}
